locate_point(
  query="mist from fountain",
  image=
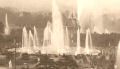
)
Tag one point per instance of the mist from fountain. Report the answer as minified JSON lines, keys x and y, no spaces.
{"x":7,"y":29}
{"x":79,"y":9}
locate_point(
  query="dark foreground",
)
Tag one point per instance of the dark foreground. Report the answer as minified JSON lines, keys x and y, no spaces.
{"x":50,"y":61}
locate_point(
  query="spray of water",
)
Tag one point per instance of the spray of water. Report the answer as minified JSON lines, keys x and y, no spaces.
{"x":24,"y":38}
{"x":10,"y":65}
{"x":30,"y":42}
{"x":36,"y":40}
{"x":57,"y":30}
{"x":78,"y":42}
{"x":117,"y":66}
{"x":47,"y":38}
{"x":7,"y":29}
{"x":66,"y":41}
{"x":88,"y":42}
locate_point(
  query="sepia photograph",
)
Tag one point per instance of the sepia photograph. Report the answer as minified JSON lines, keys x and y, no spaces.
{"x":59,"y":34}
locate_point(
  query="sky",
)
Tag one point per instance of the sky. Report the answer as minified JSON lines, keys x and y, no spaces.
{"x":37,"y":5}
{"x":34,"y":5}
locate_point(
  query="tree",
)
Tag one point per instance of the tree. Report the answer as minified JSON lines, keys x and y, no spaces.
{"x":1,"y":27}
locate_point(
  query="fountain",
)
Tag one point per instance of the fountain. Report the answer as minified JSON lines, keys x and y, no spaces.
{"x":55,"y":41}
{"x":66,"y":40}
{"x":57,"y":30}
{"x":78,"y":43}
{"x":47,"y":37}
{"x":36,"y":40}
{"x":88,"y":42}
{"x":24,"y":38}
{"x":29,"y":42}
{"x":79,"y":9}
{"x":89,"y":49}
{"x":7,"y":29}
{"x":10,"y":65}
{"x":81,"y":5}
{"x":117,"y":65}
{"x":26,"y":41}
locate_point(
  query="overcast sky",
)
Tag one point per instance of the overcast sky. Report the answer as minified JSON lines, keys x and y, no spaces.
{"x":37,"y":5}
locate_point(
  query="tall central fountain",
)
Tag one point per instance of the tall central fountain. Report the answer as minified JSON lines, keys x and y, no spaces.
{"x":57,"y":30}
